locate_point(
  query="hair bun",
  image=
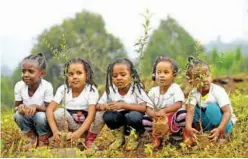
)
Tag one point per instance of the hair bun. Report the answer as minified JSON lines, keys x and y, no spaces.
{"x":40,"y":54}
{"x":191,"y":59}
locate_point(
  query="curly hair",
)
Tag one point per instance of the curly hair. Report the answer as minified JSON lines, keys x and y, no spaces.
{"x":134,"y":75}
{"x":163,"y":58}
{"x":39,"y":58}
{"x":194,"y":64}
{"x":88,"y":70}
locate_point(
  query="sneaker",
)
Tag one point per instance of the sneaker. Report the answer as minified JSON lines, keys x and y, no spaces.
{"x":30,"y":141}
{"x":89,"y":142}
{"x":43,"y":140}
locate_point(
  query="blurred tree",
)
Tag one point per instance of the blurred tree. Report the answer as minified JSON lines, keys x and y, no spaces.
{"x":228,"y":62}
{"x":238,"y":54}
{"x":170,"y":39}
{"x":84,"y":36}
{"x":7,"y":94}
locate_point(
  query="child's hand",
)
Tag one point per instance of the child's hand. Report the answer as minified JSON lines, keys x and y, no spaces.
{"x":30,"y":111}
{"x":21,"y":109}
{"x":160,"y":113}
{"x":103,"y":107}
{"x":75,"y":135}
{"x":116,"y":105}
{"x":56,"y":136}
{"x":192,"y":133}
{"x":214,"y":134}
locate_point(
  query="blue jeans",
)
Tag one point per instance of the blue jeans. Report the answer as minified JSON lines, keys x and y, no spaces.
{"x":37,"y":123}
{"x":211,"y":117}
{"x":115,"y":120}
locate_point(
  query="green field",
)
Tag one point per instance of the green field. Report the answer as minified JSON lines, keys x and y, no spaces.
{"x":237,"y":147}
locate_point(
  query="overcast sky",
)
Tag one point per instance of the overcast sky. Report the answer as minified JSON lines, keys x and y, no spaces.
{"x":23,"y":20}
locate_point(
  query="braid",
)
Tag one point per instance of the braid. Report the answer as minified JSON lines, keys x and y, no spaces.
{"x":88,"y":70}
{"x":163,"y":58}
{"x":109,"y":79}
{"x":137,"y":81}
{"x":194,"y":63}
{"x":134,"y":75}
{"x":39,"y":58}
{"x":66,"y":75}
{"x":42,"y":61}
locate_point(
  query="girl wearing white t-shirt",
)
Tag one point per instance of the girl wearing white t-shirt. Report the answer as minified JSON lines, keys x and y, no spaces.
{"x":124,"y":103}
{"x":167,"y":97}
{"x":80,"y":96}
{"x":32,"y":96}
{"x":208,"y":104}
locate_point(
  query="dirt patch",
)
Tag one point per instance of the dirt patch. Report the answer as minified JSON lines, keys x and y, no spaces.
{"x":203,"y":140}
{"x":65,"y":141}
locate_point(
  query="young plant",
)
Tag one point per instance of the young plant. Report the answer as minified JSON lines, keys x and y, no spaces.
{"x":142,"y":41}
{"x":160,"y":126}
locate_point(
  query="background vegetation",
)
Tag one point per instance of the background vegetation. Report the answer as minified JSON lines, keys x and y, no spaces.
{"x":85,"y":36}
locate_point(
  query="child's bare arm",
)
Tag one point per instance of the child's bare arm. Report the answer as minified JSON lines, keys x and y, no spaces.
{"x":150,"y":112}
{"x":101,"y":107}
{"x":189,"y":119}
{"x":136,"y":107}
{"x":225,"y":118}
{"x":17,"y":104}
{"x":50,"y":117}
{"x":189,"y":116}
{"x":173,"y":107}
{"x":30,"y":110}
{"x":86,"y":124}
{"x":39,"y":108}
{"x":122,"y":105}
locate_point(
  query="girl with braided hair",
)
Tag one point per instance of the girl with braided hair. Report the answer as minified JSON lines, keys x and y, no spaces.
{"x":122,"y":104}
{"x":81,"y":95}
{"x":32,"y":96}
{"x":167,"y":98}
{"x":207,"y":105}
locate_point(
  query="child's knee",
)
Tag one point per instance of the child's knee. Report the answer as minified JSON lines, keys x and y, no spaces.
{"x":213,"y":107}
{"x":18,"y":117}
{"x":180,"y":117}
{"x":109,"y":116}
{"x":113,"y":119}
{"x":98,"y":121}
{"x":59,"y":114}
{"x":99,"y":116}
{"x":134,"y":117}
{"x":214,"y":114}
{"x":40,"y":118}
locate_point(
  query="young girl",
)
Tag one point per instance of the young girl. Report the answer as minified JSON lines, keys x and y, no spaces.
{"x":207,"y":105}
{"x":123,"y":102}
{"x":167,"y":97}
{"x":32,"y":96}
{"x":80,"y":98}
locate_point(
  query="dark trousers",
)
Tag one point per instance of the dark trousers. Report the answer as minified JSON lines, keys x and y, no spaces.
{"x":128,"y":119}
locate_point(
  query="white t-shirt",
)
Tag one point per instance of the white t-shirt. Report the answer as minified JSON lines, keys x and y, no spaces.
{"x":172,"y":95}
{"x":82,"y":102}
{"x":216,"y":95}
{"x":44,"y":93}
{"x":130,"y":98}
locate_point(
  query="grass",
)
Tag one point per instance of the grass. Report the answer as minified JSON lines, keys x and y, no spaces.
{"x":237,"y":147}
